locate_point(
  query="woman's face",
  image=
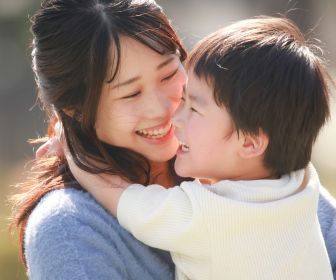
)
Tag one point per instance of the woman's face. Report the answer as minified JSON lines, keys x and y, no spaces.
{"x":136,"y":108}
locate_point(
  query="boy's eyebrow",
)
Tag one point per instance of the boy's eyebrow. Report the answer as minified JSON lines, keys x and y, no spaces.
{"x":197,"y":99}
{"x":134,"y":79}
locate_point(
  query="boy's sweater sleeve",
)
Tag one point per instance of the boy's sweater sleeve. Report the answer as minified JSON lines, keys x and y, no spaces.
{"x":168,"y":219}
{"x":327,"y":219}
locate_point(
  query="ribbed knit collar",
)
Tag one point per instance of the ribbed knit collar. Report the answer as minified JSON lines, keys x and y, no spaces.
{"x":266,"y":190}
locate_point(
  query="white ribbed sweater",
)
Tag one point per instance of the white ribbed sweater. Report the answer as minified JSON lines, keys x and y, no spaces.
{"x":232,"y":230}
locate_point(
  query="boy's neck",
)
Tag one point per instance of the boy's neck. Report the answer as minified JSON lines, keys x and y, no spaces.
{"x":254,"y":169}
{"x":261,"y":175}
{"x":247,"y":173}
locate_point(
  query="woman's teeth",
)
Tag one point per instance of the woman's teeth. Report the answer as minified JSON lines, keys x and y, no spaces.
{"x":184,"y":147}
{"x":156,"y":133}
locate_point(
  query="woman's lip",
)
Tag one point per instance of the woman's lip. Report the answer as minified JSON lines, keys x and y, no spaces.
{"x":162,"y":139}
{"x":168,"y":123}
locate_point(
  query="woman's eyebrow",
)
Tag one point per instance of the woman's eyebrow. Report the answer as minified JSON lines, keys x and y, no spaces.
{"x":164,"y":63}
{"x":127,"y":82}
{"x":134,"y":79}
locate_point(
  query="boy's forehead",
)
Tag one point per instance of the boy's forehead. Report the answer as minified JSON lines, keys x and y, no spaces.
{"x":197,"y":98}
{"x":198,"y":90}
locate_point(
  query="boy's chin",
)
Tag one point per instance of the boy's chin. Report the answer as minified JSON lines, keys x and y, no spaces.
{"x":183,"y":172}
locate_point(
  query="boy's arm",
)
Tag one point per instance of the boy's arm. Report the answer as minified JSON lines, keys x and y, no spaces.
{"x":159,"y":217}
{"x":168,"y":219}
{"x":108,"y":197}
{"x":105,"y":188}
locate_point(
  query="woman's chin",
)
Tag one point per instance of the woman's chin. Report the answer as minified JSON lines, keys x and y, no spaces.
{"x":162,"y":156}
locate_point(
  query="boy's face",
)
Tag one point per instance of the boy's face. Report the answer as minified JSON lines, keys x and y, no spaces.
{"x":208,"y":140}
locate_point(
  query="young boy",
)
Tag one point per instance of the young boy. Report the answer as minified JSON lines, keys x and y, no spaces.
{"x":256,"y":99}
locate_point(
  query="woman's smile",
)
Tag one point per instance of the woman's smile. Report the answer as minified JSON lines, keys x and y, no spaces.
{"x":161,"y":138}
{"x":155,"y":132}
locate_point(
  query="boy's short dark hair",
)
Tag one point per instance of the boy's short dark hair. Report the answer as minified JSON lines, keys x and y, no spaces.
{"x":267,"y":77}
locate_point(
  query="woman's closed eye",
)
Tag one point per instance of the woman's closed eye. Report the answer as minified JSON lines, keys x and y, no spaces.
{"x":170,"y":76}
{"x":132,"y":95}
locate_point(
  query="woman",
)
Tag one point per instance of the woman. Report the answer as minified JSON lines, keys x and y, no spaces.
{"x":111,"y":73}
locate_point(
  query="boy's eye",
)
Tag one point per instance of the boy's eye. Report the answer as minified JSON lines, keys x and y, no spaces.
{"x":169,"y":76}
{"x":193,"y":109}
{"x":132,"y":95}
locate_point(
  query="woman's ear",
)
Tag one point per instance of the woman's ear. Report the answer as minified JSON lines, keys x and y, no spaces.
{"x":69,"y":112}
{"x":254,"y":145}
{"x":73,"y":113}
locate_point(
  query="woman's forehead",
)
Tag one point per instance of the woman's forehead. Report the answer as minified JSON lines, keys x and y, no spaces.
{"x":136,"y":58}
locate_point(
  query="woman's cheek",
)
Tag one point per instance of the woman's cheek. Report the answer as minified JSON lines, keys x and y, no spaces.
{"x":176,"y":98}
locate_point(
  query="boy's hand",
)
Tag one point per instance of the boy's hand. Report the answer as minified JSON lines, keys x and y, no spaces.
{"x":53,"y":147}
{"x":50,"y":148}
{"x":105,"y":188}
{"x":87,"y":179}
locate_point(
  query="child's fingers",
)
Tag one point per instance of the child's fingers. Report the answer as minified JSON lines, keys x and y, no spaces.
{"x":49,"y":149}
{"x":84,"y":178}
{"x":42,"y":150}
{"x":88,"y":180}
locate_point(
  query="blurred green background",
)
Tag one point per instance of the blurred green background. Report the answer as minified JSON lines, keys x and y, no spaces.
{"x":20,"y":119}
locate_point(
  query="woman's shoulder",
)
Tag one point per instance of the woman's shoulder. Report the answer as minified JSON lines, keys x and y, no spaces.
{"x":68,"y":205}
{"x":72,"y":215}
{"x":69,"y":233}
{"x":327,"y":219}
{"x":326,"y":207}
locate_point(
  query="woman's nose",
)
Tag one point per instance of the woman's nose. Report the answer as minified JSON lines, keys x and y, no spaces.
{"x":157,"y":106}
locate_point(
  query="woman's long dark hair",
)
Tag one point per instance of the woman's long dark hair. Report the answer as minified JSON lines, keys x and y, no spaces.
{"x":75,"y":45}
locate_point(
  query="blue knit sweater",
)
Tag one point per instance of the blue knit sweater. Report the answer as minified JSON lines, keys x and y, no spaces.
{"x":70,"y":236}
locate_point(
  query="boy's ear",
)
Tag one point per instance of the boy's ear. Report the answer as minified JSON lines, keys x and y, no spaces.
{"x":253,"y":145}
